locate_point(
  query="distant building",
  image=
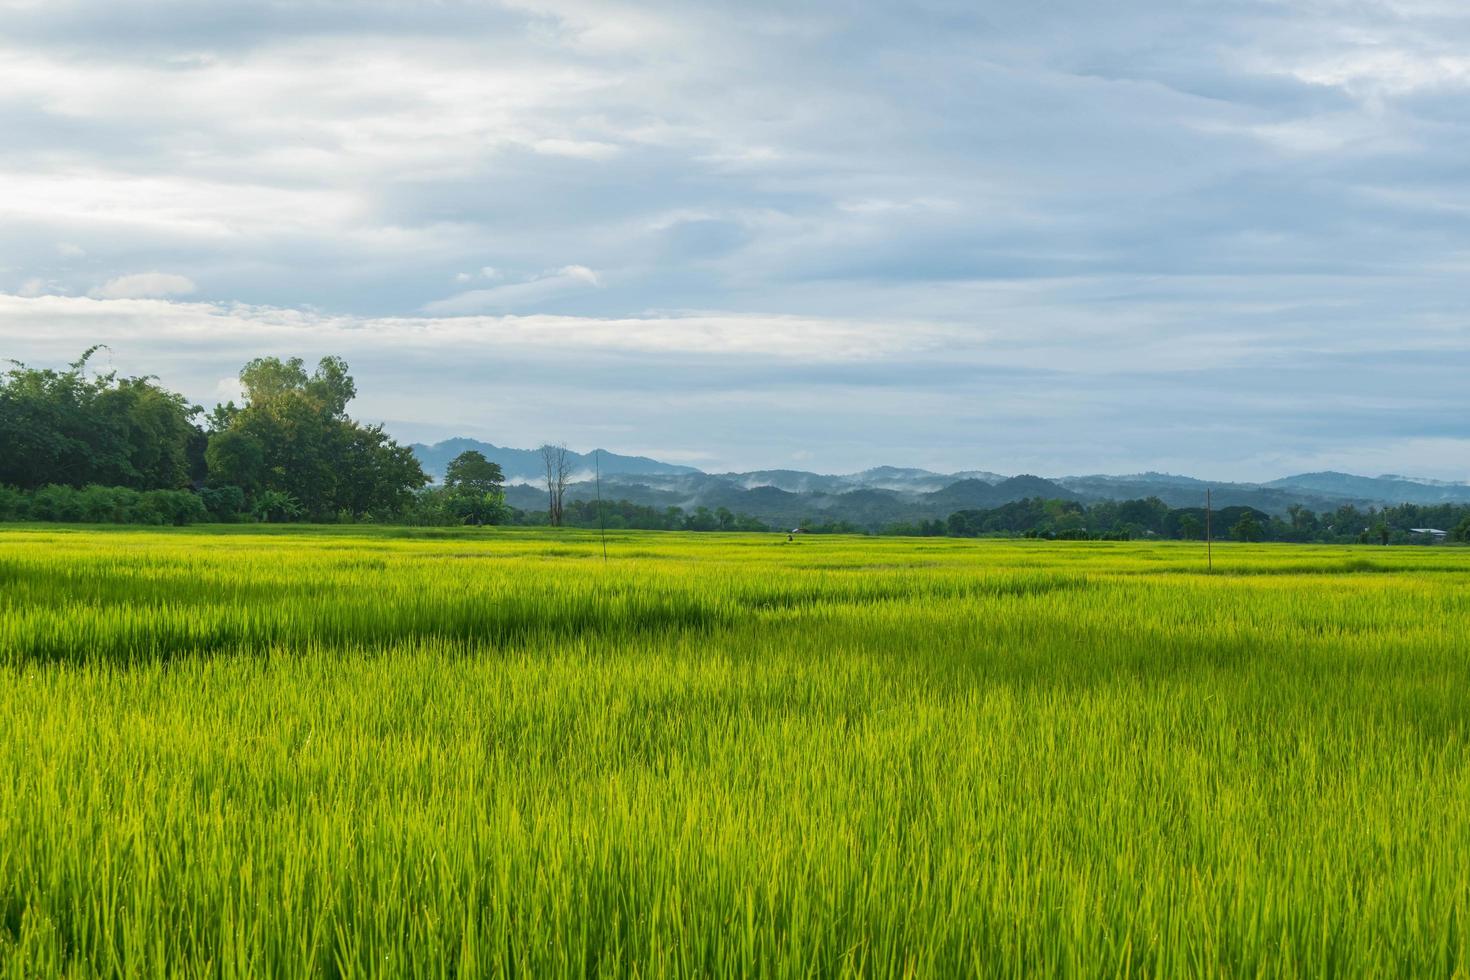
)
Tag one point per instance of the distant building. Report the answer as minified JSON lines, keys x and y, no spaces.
{"x":1433,"y":532}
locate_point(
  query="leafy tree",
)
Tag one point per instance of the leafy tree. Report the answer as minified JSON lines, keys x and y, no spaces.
{"x":1462,"y":530}
{"x":474,"y":487}
{"x":471,"y":471}
{"x":701,"y":520}
{"x":15,"y":505}
{"x":1149,"y":515}
{"x":1247,"y":528}
{"x":67,"y":429}
{"x":224,"y":504}
{"x":236,"y":458}
{"x":274,"y":507}
{"x":293,"y":438}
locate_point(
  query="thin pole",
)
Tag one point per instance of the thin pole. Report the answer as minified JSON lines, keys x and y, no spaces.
{"x":601,"y":521}
{"x":1209,"y":534}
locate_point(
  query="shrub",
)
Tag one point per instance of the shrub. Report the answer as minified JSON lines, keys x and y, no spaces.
{"x":56,"y":503}
{"x":225,"y":504}
{"x":275,"y":506}
{"x":14,"y":504}
{"x":177,"y":507}
{"x":108,"y":505}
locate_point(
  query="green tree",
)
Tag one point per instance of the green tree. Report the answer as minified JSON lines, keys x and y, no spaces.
{"x":471,"y":471}
{"x":1247,"y":528}
{"x":293,"y":437}
{"x":274,"y":507}
{"x":65,"y":428}
{"x":1461,"y":531}
{"x":236,"y":458}
{"x":475,"y":488}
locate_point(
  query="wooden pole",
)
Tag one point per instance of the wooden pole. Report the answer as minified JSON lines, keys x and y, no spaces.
{"x":1209,"y":534}
{"x":601,"y":521}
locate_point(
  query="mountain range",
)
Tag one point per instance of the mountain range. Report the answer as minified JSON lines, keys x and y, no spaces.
{"x":525,"y":465}
{"x":887,"y":494}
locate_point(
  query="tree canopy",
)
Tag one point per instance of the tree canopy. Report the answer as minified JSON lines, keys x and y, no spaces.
{"x":474,"y":487}
{"x":64,"y":428}
{"x":293,"y":437}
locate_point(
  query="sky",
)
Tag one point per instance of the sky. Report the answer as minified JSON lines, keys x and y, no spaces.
{"x":1227,"y":238}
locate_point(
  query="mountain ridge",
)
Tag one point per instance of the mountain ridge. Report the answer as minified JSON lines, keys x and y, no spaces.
{"x":885,"y":494}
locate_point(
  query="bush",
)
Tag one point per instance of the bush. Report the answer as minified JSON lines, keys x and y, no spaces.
{"x":14,"y":504}
{"x":176,"y":507}
{"x":108,"y":505}
{"x":56,"y":503}
{"x":431,"y":507}
{"x":275,"y":507}
{"x":102,"y":505}
{"x":225,"y":504}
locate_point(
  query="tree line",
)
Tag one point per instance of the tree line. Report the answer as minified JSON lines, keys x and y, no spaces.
{"x":86,"y":446}
{"x":78,"y":441}
{"x":82,"y":445}
{"x":1152,"y":518}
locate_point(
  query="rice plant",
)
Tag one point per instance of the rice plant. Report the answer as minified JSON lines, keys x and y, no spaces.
{"x":375,"y":752}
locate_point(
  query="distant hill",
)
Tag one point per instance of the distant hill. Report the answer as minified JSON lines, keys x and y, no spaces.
{"x":1189,"y":492}
{"x":888,"y":494}
{"x":901,"y":479}
{"x":1394,"y":489}
{"x":524,"y":465}
{"x":979,"y":495}
{"x":865,"y":506}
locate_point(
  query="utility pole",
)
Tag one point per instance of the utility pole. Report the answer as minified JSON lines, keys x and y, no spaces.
{"x":1209,"y":534}
{"x":601,"y":521}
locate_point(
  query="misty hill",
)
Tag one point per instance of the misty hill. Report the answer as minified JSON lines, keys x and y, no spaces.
{"x":891,"y":494}
{"x":525,"y":464}
{"x":1188,"y":492}
{"x":975,"y":494}
{"x":865,"y":506}
{"x":1396,"y":489}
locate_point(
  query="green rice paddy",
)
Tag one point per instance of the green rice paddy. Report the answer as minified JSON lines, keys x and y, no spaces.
{"x":359,"y":752}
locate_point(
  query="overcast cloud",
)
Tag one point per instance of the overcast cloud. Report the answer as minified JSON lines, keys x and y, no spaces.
{"x":1229,"y":238}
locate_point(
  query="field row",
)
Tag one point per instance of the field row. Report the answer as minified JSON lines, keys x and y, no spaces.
{"x":364,"y":753}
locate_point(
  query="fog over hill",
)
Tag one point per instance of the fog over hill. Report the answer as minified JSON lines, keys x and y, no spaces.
{"x":888,"y":493}
{"x":525,"y":465}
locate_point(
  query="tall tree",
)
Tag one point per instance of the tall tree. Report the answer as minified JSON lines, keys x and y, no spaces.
{"x":558,"y":466}
{"x":293,"y":437}
{"x":1247,"y":528}
{"x":475,"y":488}
{"x":65,"y":428}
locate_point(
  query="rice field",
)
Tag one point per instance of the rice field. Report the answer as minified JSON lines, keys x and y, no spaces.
{"x":369,"y":752}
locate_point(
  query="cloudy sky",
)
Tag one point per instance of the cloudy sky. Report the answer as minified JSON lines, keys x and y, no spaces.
{"x":1223,"y":237}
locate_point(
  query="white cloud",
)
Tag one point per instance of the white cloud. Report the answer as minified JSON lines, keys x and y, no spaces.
{"x":1075,"y":392}
{"x":580,"y":273}
{"x":934,"y":208}
{"x":521,"y":295}
{"x":145,"y":285}
{"x":486,"y":272}
{"x":585,"y":149}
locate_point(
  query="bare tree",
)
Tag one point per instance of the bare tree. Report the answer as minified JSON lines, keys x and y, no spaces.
{"x":558,"y":471}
